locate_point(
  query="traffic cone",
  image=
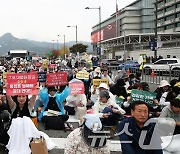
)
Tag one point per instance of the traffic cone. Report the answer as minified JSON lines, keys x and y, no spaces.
{"x":128,"y":72}
{"x":152,"y":74}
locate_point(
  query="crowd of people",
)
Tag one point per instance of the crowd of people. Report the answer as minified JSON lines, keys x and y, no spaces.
{"x":96,"y":108}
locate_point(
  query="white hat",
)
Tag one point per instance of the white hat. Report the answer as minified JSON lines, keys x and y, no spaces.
{"x":164,"y":83}
{"x":98,"y":69}
{"x":104,"y":85}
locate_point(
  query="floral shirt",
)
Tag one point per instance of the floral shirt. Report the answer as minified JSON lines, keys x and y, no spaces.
{"x":75,"y":145}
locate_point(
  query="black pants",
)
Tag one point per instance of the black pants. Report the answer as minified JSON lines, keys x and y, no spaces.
{"x":4,"y":137}
{"x":113,"y":118}
{"x":70,"y":110}
{"x":55,"y":122}
{"x":177,"y":130}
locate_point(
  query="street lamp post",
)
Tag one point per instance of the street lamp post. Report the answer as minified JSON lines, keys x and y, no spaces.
{"x":99,"y":8}
{"x":64,"y":42}
{"x":76,"y":32}
{"x":53,"y":44}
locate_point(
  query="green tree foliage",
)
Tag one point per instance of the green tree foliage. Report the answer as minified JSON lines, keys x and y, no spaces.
{"x":78,"y":48}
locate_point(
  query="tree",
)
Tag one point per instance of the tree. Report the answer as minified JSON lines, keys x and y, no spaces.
{"x":53,"y":54}
{"x":63,"y":51}
{"x":78,"y":48}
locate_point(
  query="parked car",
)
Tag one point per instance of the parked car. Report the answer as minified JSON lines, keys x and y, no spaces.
{"x":110,"y":62}
{"x":163,"y":65}
{"x":130,"y":64}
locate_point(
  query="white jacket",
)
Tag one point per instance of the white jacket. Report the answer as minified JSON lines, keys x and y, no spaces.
{"x":99,"y":107}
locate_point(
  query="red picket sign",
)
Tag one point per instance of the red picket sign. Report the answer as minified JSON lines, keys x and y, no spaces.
{"x":22,"y":84}
{"x":77,"y":87}
{"x":57,"y":79}
{"x":52,"y":65}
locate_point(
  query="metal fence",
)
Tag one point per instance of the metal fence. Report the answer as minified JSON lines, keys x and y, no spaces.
{"x":150,"y":76}
{"x":155,"y":76}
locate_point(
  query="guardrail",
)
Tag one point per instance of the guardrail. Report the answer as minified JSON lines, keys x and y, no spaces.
{"x":155,"y":76}
{"x":150,"y":76}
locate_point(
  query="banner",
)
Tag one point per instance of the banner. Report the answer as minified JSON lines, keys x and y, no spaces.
{"x":139,"y":95}
{"x":97,"y":82}
{"x":42,"y":76}
{"x":22,"y":84}
{"x":57,"y":79}
{"x":77,"y":87}
{"x":52,"y":65}
{"x":82,"y":75}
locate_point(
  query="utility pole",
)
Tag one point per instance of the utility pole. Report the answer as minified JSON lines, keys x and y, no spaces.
{"x":155,"y":29}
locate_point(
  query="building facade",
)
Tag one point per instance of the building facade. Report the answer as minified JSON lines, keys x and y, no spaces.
{"x":168,"y":14}
{"x":128,"y":32}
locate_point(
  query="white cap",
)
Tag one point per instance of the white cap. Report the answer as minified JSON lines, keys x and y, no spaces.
{"x":98,"y":69}
{"x":164,"y":83}
{"x":104,"y":85}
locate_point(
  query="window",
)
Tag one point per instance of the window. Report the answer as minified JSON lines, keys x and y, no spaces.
{"x":160,"y":29}
{"x":178,"y":5}
{"x":171,"y":61}
{"x":161,"y":62}
{"x":178,"y":24}
{"x":160,"y":12}
{"x":170,"y":8}
{"x":178,"y":15}
{"x":169,"y":17}
{"x":169,"y":27}
{"x":160,"y":4}
{"x":161,"y":20}
{"x":167,"y":1}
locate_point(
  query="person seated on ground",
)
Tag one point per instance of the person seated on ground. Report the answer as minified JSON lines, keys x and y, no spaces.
{"x":4,"y":114}
{"x":20,"y":105}
{"x":94,"y":94}
{"x":137,"y":77}
{"x":131,"y":79}
{"x":104,"y":86}
{"x":125,"y":77}
{"x":38,"y":102}
{"x":109,"y":112}
{"x":96,"y":73}
{"x":172,"y":94}
{"x":130,"y":129}
{"x":162,"y":90}
{"x":155,"y":110}
{"x":79,"y":140}
{"x":73,"y":101}
{"x":4,"y":138}
{"x":118,"y":89}
{"x":53,"y":113}
{"x":173,"y":111}
{"x":106,"y":76}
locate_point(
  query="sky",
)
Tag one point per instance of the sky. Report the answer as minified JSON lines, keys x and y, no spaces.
{"x":43,"y":20}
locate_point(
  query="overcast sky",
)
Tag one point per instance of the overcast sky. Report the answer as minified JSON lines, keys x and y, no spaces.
{"x":43,"y":20}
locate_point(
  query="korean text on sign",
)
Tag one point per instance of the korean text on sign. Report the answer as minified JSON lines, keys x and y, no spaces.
{"x":82,"y":75}
{"x":57,"y":79}
{"x":139,"y":95}
{"x":77,"y":87}
{"x":97,"y":82}
{"x":22,"y":84}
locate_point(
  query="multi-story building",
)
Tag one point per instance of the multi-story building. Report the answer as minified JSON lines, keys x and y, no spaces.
{"x":128,"y":32}
{"x":168,"y":14}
